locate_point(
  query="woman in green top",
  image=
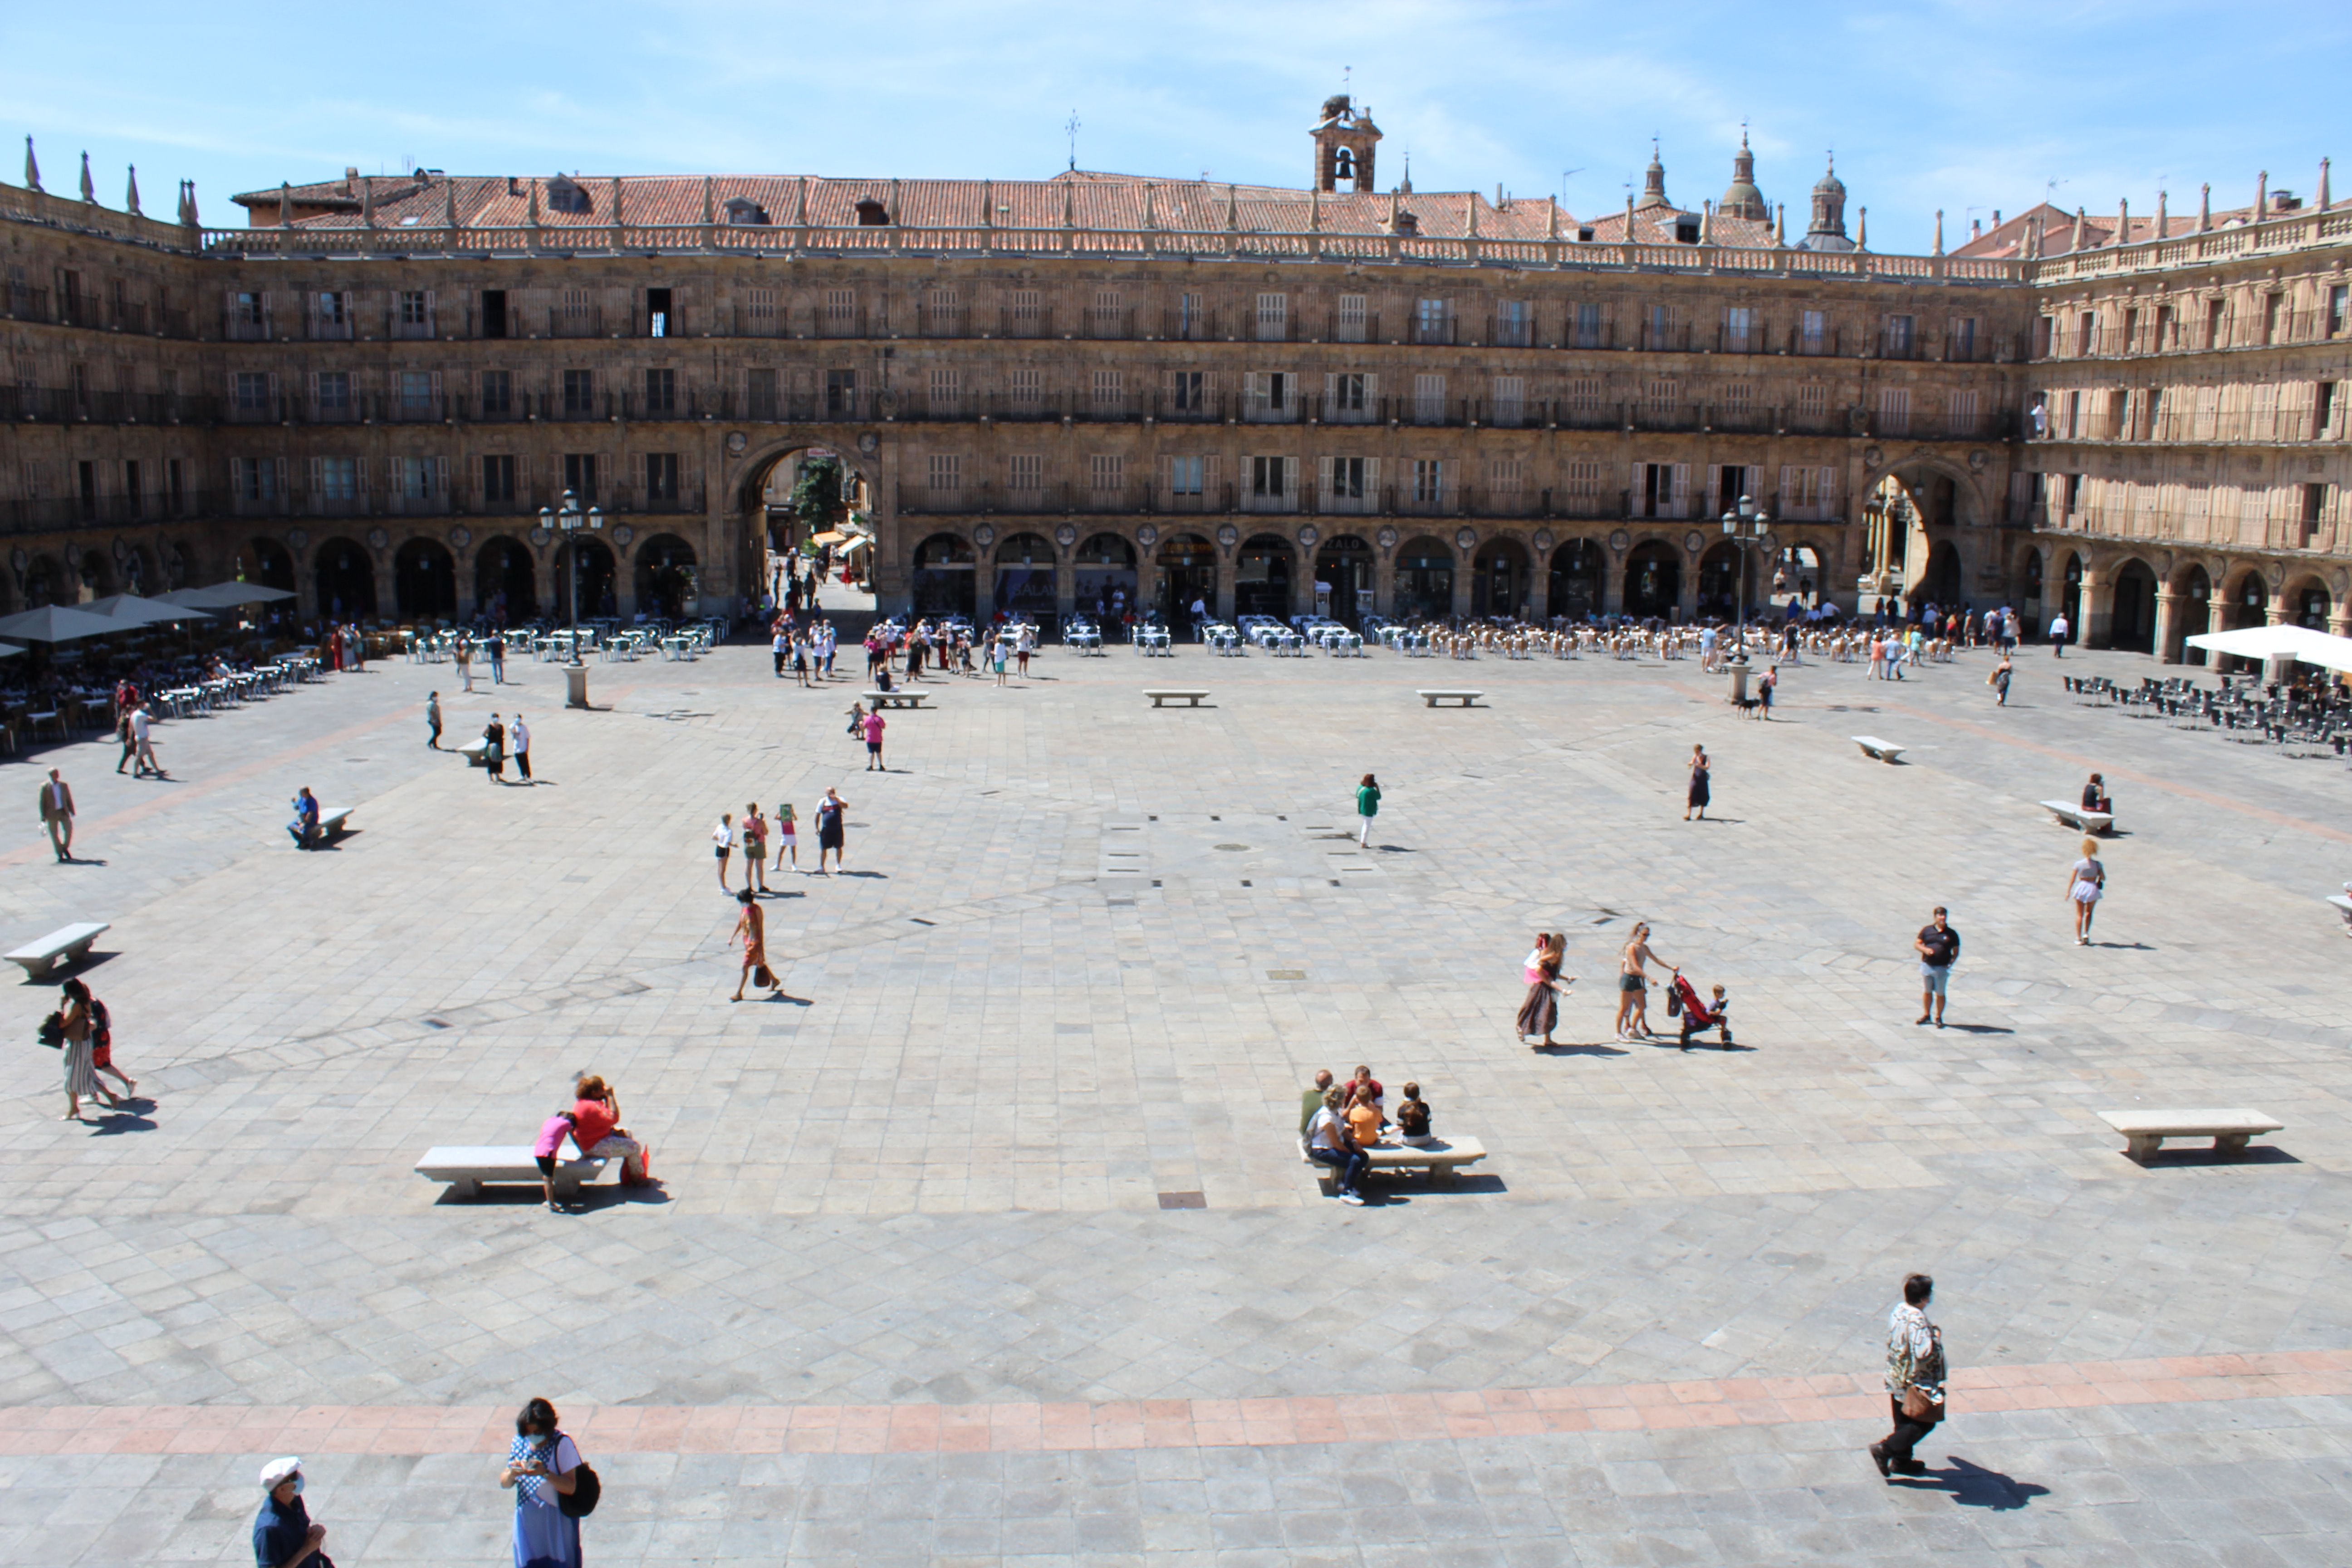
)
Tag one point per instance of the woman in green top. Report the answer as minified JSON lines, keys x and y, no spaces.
{"x":1367,"y":806}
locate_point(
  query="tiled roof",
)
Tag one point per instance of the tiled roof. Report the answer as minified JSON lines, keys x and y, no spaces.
{"x":2007,"y":239}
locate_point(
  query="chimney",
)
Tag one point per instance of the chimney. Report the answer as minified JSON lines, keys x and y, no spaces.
{"x":1976,"y":229}
{"x":1995,"y":218}
{"x":350,"y":178}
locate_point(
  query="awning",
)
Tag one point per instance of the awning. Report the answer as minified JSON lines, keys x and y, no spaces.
{"x":59,"y":623}
{"x":225,"y":595}
{"x":132,"y":610}
{"x":2299,"y":643}
{"x":842,"y":541}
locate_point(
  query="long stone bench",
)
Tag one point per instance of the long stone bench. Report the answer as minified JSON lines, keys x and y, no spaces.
{"x":1884,"y":751}
{"x":2343,"y":906}
{"x":2145,"y":1131}
{"x":1162,"y":697}
{"x":2076,"y":816}
{"x":1440,"y":1157}
{"x":466,"y":1170}
{"x":904,"y":697}
{"x":68,"y":943}
{"x":1431,"y":698}
{"x":475,"y":750}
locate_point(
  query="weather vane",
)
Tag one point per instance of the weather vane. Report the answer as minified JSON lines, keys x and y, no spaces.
{"x":1072,"y":128}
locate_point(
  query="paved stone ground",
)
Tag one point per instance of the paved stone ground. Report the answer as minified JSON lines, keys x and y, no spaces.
{"x":1086,"y":954}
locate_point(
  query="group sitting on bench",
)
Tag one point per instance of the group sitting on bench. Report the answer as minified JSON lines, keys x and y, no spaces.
{"x":1338,"y":1125}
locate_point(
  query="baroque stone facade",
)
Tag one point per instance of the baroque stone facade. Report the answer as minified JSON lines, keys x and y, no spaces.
{"x":1053,"y":392}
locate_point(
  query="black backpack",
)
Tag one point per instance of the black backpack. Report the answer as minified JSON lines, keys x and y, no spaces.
{"x":586,"y":1491}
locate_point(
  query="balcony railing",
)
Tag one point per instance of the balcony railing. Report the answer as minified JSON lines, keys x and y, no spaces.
{"x":22,"y":516}
{"x":63,"y":405}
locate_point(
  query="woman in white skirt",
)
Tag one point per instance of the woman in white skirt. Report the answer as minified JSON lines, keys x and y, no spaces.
{"x":2086,"y":884}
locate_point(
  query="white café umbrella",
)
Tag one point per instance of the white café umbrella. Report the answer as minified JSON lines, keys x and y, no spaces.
{"x":2280,"y":642}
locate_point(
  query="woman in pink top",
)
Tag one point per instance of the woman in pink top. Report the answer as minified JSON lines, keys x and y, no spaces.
{"x":552,"y":1135}
{"x":874,"y":727}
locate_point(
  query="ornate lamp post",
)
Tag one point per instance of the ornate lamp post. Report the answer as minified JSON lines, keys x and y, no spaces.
{"x":567,"y":521}
{"x":1745,"y":524}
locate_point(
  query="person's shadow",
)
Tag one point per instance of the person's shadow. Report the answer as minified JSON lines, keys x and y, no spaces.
{"x":1973,"y":1485}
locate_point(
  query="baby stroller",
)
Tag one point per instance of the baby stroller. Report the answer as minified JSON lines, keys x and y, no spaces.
{"x":1683,"y":998}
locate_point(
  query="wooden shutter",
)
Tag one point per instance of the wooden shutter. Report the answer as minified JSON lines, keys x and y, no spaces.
{"x":1682,"y":489}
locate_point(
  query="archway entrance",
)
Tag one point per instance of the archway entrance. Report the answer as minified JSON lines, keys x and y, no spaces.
{"x":273,"y":566}
{"x":1797,"y":577}
{"x":1939,"y":584}
{"x":943,"y":578}
{"x":1024,"y":578}
{"x":2032,"y":593}
{"x":1425,"y":581}
{"x":1106,"y":579}
{"x":2131,"y":625}
{"x":2308,"y":606}
{"x":1576,"y":569}
{"x":1718,"y":582}
{"x":41,"y":580}
{"x":346,"y":582}
{"x":1498,"y":580}
{"x":596,"y":578}
{"x":424,"y":580}
{"x":1261,"y":577}
{"x":1654,"y":580}
{"x":1184,"y":574}
{"x":1343,"y":566}
{"x":668,"y":579}
{"x":2190,"y":617}
{"x":506,"y":587}
{"x":2069,"y":596}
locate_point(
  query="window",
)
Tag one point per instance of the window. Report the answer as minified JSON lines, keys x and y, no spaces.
{"x":1902,"y":336}
{"x":1348,"y":400}
{"x":1812,"y":402}
{"x":1269,"y":477}
{"x":1894,"y":411}
{"x":1963,"y":343}
{"x":1584,"y":478}
{"x":1429,"y":399}
{"x":337,"y":478}
{"x":1658,"y":331}
{"x":416,"y":394}
{"x":1105,"y":473}
{"x":1432,"y":321}
{"x":254,"y":479}
{"x":1270,"y":394}
{"x":1109,"y":387}
{"x":2315,"y":505}
{"x":499,"y":480}
{"x":1190,"y":320}
{"x":1186,"y":392}
{"x":2216,"y":323}
{"x":2339,"y":310}
{"x":497,"y":392}
{"x":1808,"y":493}
{"x":841,"y":394}
{"x":1428,"y":481}
{"x":1347,"y":478}
{"x":659,"y":313}
{"x":1661,"y":490}
{"x":840,"y":311}
{"x":248,"y":310}
{"x":943,"y":312}
{"x":2271,"y":303}
{"x":332,"y":313}
{"x":661,"y":476}
{"x":1658,"y":396}
{"x":2131,"y":329}
{"x":947,"y":393}
{"x":1738,"y":329}
{"x":1514,"y":324}
{"x":415,"y":479}
{"x":579,"y":392}
{"x":1511,"y":401}
{"x":2323,"y":410}
{"x":252,"y":391}
{"x":416,"y":308}
{"x":1739,"y":399}
{"x":1187,"y":475}
{"x":661,"y":391}
{"x":1273,"y":317}
{"x":1028,"y":311}
{"x":1026,"y":473}
{"x":1351,"y":325}
{"x":494,"y":313}
{"x":1105,"y":317}
{"x":1813,"y":331}
{"x":1028,"y":390}
{"x":1960,"y":414}
{"x":946,"y":471}
{"x":760,"y":305}
{"x":1588,"y":325}
{"x":580,"y":476}
{"x":335,"y":394}
{"x":762,"y":395}
{"x":1506,"y":476}
{"x":2086,"y":331}
{"x":2168,"y":329}
{"x":1584,"y":394}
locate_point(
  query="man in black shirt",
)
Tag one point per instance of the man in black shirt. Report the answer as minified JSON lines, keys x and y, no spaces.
{"x":1939,"y":948}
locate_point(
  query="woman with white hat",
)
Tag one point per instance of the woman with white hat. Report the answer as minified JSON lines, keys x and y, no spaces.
{"x":283,"y":1535}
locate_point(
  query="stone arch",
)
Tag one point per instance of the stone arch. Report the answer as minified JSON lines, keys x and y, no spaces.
{"x":1183,"y":572}
{"x":346,"y":578}
{"x":1105,"y":564}
{"x":93,"y":571}
{"x":2309,"y":604}
{"x":1654,"y":576}
{"x":271,"y":564}
{"x":2248,"y":601}
{"x":598,"y":575}
{"x":2131,"y":619}
{"x":1345,"y":565}
{"x":1425,"y":579}
{"x":424,"y":580}
{"x":1799,"y":574}
{"x":1265,"y":570}
{"x":1498,"y":578}
{"x":668,"y":578}
{"x":506,"y":580}
{"x":1718,"y":581}
{"x":1027,"y":570}
{"x":45,"y":582}
{"x":1579,"y":572}
{"x":945,"y":571}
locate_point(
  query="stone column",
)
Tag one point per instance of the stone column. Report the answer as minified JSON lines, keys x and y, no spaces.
{"x":1220,"y":603}
{"x":1465,"y":563}
{"x":2096,"y":609}
{"x":984,"y":586}
{"x":2168,"y":603}
{"x":1613,"y":580}
{"x":1383,"y":583}
{"x":1687,"y":586}
{"x":387,"y":586}
{"x":1065,"y":583}
{"x":1539,"y":594}
{"x":461,"y":571}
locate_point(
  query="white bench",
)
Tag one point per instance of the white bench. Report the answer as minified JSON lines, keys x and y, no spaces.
{"x":2342,"y":907}
{"x":466,"y":1171}
{"x":1440,"y":1157}
{"x":2075,"y":817}
{"x":332,"y":818}
{"x":1431,"y":698}
{"x":1884,"y":751}
{"x":476,"y":751}
{"x":902,"y":697}
{"x":68,"y":943}
{"x":1163,"y":697}
{"x":2145,"y":1131}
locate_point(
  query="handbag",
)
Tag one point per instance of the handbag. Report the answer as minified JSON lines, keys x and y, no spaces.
{"x":52,"y":1032}
{"x":1916,"y":1405}
{"x":587,"y":1491}
{"x":762,"y":978}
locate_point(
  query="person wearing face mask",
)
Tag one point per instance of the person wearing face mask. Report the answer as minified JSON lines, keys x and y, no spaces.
{"x":283,"y":1535}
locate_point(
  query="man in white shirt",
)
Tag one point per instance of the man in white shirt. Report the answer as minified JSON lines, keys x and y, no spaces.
{"x":518,"y":737}
{"x":2058,"y":630}
{"x":145,"y":763}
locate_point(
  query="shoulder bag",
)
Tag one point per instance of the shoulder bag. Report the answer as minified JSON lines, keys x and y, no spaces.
{"x":587,"y":1491}
{"x":1916,"y":1405}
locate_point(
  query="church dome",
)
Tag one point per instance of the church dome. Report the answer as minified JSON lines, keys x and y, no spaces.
{"x":1741,"y":199}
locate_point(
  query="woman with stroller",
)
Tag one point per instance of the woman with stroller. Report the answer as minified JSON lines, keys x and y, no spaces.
{"x":1633,"y":983}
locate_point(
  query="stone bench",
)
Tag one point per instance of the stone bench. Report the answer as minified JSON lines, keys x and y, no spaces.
{"x":476,"y":751}
{"x":1884,"y":751}
{"x":332,"y":818}
{"x":1163,"y":697}
{"x":71,"y":943}
{"x":466,"y":1171}
{"x":1431,"y":698}
{"x":2076,"y":816}
{"x":2145,"y":1131}
{"x":902,"y":697}
{"x":2343,"y":906}
{"x":1440,"y":1157}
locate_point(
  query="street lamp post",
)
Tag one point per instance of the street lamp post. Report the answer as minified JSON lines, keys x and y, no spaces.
{"x":1745,"y":524}
{"x":568,"y":520}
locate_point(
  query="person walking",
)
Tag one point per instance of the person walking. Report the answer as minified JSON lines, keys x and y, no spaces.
{"x":58,"y":815}
{"x":544,"y":1466}
{"x":1998,"y":680}
{"x":1633,"y":983}
{"x":433,"y":719}
{"x":752,"y":931}
{"x":74,"y":1024}
{"x":122,"y":733}
{"x":755,"y":849}
{"x":723,"y":844}
{"x":2086,"y":884}
{"x":2058,"y":630}
{"x":494,"y":750}
{"x":283,"y":1533}
{"x":143,"y":742}
{"x":1766,"y":686}
{"x":1914,"y":1379}
{"x":787,"y":842}
{"x":518,"y":735}
{"x":829,"y":814}
{"x":1697,"y":798}
{"x":780,"y":644}
{"x":497,"y":658}
{"x":102,"y":1042}
{"x":1938,"y":947}
{"x":463,"y":657}
{"x":874,"y":727}
{"x":1539,"y":1013}
{"x":1367,"y":806}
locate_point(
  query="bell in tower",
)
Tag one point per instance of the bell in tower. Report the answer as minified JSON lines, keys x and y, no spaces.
{"x":1344,"y":144}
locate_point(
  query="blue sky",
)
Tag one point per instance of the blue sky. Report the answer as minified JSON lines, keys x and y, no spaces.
{"x":1964,"y":107}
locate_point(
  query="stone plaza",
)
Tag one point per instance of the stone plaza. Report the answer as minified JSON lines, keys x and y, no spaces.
{"x":993,"y":1245}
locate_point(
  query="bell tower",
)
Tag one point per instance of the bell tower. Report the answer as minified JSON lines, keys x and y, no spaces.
{"x":1344,"y":144}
